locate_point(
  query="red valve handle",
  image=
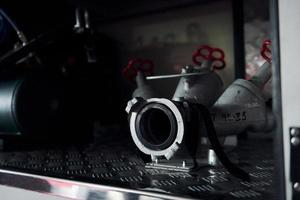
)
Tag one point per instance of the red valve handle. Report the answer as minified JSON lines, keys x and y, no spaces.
{"x":265,"y":50}
{"x":135,"y":65}
{"x":216,"y":55}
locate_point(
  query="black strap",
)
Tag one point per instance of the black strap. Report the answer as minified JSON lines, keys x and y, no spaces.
{"x":192,"y":137}
{"x":213,"y":138}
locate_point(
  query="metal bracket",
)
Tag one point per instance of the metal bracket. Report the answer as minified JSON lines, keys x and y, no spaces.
{"x":295,"y":161}
{"x":174,"y":165}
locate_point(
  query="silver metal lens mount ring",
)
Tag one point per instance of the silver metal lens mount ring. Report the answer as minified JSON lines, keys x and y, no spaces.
{"x":174,"y":139}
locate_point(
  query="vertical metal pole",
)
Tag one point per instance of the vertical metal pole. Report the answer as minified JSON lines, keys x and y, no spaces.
{"x":279,"y":177}
{"x":238,"y":33}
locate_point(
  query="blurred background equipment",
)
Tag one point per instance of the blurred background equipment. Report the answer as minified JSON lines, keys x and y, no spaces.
{"x":199,"y":84}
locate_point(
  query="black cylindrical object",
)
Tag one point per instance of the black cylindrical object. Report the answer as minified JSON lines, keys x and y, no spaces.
{"x":8,"y":113}
{"x":30,"y":105}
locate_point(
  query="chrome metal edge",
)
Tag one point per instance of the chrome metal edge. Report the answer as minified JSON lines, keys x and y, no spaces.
{"x":75,"y":189}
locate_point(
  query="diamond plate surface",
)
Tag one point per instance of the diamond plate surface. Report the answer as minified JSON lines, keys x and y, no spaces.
{"x":121,"y":165}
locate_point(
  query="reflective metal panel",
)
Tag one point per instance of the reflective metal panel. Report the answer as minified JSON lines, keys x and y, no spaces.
{"x":75,"y":189}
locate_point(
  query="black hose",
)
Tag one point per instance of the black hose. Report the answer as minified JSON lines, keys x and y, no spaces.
{"x":213,"y":138}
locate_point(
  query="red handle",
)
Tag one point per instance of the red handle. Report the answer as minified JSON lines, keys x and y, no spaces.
{"x":201,"y":53}
{"x":216,"y":55}
{"x":134,"y":65}
{"x":266,"y":51}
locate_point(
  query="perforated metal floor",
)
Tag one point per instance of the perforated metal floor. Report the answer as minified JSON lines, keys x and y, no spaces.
{"x":121,"y":165}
